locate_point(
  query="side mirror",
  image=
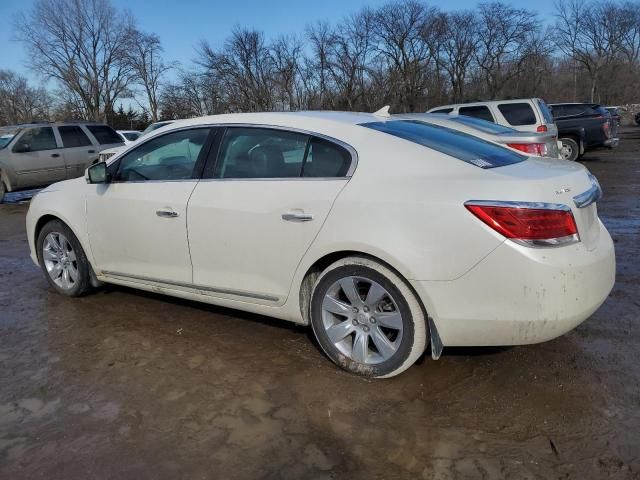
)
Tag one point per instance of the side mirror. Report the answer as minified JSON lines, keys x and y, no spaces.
{"x":21,"y":148}
{"x":97,"y":173}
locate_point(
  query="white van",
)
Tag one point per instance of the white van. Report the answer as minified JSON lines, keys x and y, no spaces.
{"x":526,"y":114}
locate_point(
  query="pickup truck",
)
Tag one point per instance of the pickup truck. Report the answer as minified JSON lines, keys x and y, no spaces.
{"x":583,"y":127}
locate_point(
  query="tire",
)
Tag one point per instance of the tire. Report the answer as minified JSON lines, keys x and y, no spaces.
{"x":570,"y":149}
{"x":62,"y":260}
{"x":3,"y":190}
{"x":349,"y":326}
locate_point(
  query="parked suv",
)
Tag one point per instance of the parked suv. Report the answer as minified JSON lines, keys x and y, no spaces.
{"x":526,"y":114}
{"x":583,"y":127}
{"x":38,"y":154}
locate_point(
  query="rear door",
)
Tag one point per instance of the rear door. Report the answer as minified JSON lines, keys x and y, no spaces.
{"x":36,"y":158}
{"x":266,"y":200}
{"x":79,"y":152}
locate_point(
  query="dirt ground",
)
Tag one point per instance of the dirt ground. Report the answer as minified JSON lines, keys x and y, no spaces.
{"x":127,"y":385}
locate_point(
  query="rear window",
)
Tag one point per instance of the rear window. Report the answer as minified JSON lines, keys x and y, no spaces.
{"x":104,"y":134}
{"x":518,"y":113}
{"x":457,"y":144}
{"x":482,"y":125}
{"x":73,"y":136}
{"x":479,"y":111}
{"x":442,"y":110}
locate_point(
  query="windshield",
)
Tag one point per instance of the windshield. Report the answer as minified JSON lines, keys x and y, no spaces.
{"x":465,"y":147}
{"x":482,"y":125}
{"x":155,"y":126}
{"x":6,"y":135}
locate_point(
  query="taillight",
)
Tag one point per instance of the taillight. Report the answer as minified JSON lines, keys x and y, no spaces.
{"x":530,"y":224}
{"x":539,"y":149}
{"x":606,"y":129}
{"x":541,"y":128}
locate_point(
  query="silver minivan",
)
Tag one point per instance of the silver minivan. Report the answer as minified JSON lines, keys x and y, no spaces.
{"x":526,"y":114}
{"x":34,"y":155}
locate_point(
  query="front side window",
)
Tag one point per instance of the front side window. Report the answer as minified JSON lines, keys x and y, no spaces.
{"x":104,"y":134}
{"x":465,"y":147}
{"x":168,"y":157}
{"x":36,"y":139}
{"x":73,"y":136}
{"x":518,"y":113}
{"x":479,"y":111}
{"x":261,"y":153}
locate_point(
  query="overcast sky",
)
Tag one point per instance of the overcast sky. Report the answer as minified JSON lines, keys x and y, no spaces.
{"x":182,"y":24}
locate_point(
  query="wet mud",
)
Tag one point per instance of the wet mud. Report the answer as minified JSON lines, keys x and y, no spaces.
{"x":124,"y":384}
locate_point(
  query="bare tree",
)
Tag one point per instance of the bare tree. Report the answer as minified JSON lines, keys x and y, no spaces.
{"x":457,"y":50}
{"x":505,"y":38}
{"x":19,"y":102}
{"x":83,"y":45}
{"x":405,"y":41}
{"x":145,"y":58}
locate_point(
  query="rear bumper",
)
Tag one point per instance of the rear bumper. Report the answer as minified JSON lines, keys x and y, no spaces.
{"x":520,"y":295}
{"x":612,"y":142}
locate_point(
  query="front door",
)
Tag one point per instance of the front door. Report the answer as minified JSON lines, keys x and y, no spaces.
{"x":137,"y":223}
{"x":250,"y":225}
{"x":36,"y":158}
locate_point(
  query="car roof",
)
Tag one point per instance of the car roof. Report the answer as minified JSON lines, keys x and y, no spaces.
{"x":286,"y":118}
{"x":49,"y":124}
{"x":487,"y":102}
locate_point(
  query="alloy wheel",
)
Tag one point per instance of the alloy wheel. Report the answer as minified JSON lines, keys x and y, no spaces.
{"x":362,"y":320}
{"x":60,"y":260}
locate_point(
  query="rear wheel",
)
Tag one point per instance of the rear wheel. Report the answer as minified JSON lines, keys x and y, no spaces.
{"x":570,"y":149}
{"x":63,"y":260}
{"x":366,"y":319}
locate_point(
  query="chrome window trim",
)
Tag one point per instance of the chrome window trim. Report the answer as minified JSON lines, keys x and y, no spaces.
{"x":592,"y":195}
{"x":191,"y":286}
{"x":533,"y":205}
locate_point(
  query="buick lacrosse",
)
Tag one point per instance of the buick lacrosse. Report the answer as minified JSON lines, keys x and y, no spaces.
{"x":383,"y":234}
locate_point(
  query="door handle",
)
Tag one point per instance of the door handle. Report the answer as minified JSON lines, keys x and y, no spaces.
{"x":91,"y":151}
{"x":55,"y":155}
{"x":167,"y":213}
{"x":297,"y":216}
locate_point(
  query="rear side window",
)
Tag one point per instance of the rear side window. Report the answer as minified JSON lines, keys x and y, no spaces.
{"x":479,"y":111}
{"x":518,"y":113}
{"x":442,"y":110}
{"x":326,"y":159}
{"x":73,"y":136}
{"x":261,"y":153}
{"x":468,"y":148}
{"x":104,"y":134}
{"x":36,"y":139}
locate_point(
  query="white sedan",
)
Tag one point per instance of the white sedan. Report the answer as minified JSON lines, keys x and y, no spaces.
{"x":383,"y":234}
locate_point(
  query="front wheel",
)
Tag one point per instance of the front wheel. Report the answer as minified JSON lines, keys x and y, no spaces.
{"x":63,"y":260}
{"x":366,"y":319}
{"x":570,"y":149}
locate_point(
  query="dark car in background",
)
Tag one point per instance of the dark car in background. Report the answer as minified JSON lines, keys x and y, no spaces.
{"x":615,"y":115}
{"x":583,"y":127}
